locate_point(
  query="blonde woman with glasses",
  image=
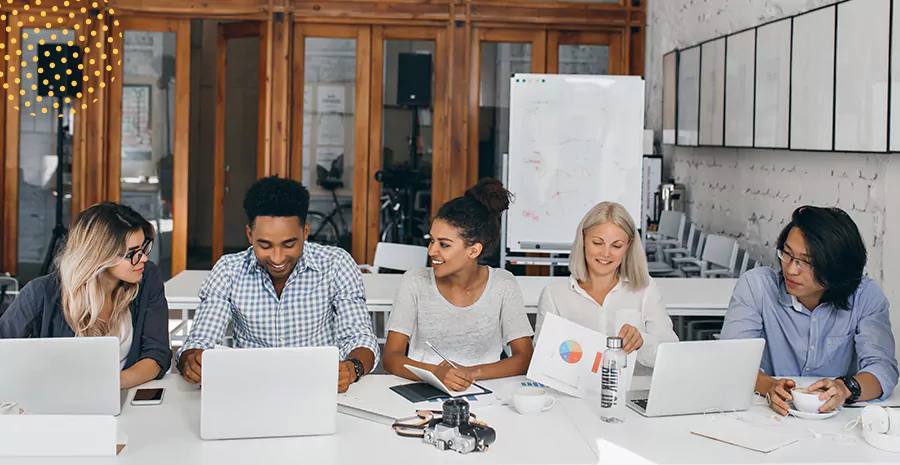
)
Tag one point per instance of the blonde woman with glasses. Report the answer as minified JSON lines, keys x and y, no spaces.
{"x":104,"y":287}
{"x":609,"y":275}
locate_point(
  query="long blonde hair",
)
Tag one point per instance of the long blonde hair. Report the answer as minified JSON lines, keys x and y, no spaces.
{"x":634,"y":266}
{"x":96,"y":243}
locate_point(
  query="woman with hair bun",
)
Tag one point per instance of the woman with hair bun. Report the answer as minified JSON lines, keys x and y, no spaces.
{"x":468,"y":311}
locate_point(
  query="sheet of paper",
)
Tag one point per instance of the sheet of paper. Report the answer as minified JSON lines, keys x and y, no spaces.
{"x":331,"y":99}
{"x":330,"y":129}
{"x":568,"y":357}
{"x":738,"y":433}
{"x":429,"y":378}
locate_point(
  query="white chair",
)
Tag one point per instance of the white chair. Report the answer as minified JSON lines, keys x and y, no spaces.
{"x":690,"y":264}
{"x":687,"y":249}
{"x":399,"y":257}
{"x":720,"y":251}
{"x":669,"y":233}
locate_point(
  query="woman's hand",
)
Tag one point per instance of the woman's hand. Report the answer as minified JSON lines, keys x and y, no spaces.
{"x":455,"y":379}
{"x":631,"y":338}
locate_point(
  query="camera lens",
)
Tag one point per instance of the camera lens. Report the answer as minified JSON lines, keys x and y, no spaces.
{"x":456,"y":412}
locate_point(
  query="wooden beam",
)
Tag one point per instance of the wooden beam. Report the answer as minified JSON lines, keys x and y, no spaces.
{"x":362,"y":174}
{"x":372,"y":12}
{"x":299,"y":84}
{"x":193,"y":8}
{"x":11,"y":166}
{"x":281,"y":101}
{"x":264,"y":148}
{"x":181,"y":146}
{"x":96,"y":174}
{"x":458,"y":56}
{"x":376,"y":125}
{"x":114,"y":128}
{"x":218,"y":217}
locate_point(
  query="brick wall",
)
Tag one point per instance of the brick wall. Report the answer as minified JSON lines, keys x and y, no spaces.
{"x":749,"y":194}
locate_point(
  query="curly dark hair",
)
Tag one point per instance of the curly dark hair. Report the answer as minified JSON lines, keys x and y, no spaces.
{"x":279,"y":197}
{"x":835,"y":248}
{"x":477,"y":213}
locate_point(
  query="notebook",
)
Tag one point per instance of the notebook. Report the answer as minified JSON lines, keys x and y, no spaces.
{"x":433,"y":388}
{"x":738,"y":433}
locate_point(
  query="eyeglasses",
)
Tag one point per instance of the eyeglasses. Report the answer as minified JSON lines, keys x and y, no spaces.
{"x":787,"y":258}
{"x":136,"y":255}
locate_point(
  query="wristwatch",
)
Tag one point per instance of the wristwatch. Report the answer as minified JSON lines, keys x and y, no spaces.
{"x":358,"y":367}
{"x":854,"y":387}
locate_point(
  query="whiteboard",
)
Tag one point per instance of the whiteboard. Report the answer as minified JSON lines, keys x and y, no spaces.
{"x":812,"y":81}
{"x":574,"y":141}
{"x":688,"y":96}
{"x":670,"y":86}
{"x":712,"y":92}
{"x":773,"y":85}
{"x":739,"y":72}
{"x":863,"y":36}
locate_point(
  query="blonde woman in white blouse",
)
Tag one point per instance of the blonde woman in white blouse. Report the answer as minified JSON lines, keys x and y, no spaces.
{"x":609,"y":278}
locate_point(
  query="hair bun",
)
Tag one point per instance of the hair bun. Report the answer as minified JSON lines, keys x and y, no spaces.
{"x":491,"y":193}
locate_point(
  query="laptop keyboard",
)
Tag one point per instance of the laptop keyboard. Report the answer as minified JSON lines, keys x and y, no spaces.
{"x":642,"y":403}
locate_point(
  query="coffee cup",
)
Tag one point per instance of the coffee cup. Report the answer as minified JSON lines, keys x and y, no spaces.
{"x":807,"y":401}
{"x":532,"y":400}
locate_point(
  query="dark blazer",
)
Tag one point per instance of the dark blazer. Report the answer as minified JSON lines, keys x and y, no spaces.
{"x":37,"y":312}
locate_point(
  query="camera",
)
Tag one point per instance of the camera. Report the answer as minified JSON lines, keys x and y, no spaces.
{"x":455,"y":432}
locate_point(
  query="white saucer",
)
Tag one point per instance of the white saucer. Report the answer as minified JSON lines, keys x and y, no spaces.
{"x":812,"y":416}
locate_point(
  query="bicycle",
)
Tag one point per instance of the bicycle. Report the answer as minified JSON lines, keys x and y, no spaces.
{"x":398,"y":222}
{"x":322,"y":227}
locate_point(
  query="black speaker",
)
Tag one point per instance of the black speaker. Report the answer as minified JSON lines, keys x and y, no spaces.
{"x":414,"y":80}
{"x":63,"y":78}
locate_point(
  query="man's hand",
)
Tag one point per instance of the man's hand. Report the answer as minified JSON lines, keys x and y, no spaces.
{"x":779,"y":392}
{"x":191,"y":362}
{"x":631,"y":338}
{"x":455,"y":379}
{"x":346,"y":375}
{"x":835,"y":389}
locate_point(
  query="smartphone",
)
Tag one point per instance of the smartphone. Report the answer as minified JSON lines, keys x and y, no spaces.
{"x":148,"y":396}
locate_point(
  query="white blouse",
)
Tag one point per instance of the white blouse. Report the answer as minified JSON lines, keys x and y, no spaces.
{"x":568,"y":300}
{"x":126,"y":337}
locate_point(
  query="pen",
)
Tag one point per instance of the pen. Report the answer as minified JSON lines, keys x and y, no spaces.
{"x":451,"y":363}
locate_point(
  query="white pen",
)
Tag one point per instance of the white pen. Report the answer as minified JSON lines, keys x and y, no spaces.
{"x":451,"y":363}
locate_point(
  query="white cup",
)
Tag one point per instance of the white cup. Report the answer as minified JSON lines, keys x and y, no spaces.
{"x":807,"y":401}
{"x":532,"y":400}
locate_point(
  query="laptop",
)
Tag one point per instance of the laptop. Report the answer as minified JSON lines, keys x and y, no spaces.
{"x":259,"y":393}
{"x":696,"y":377}
{"x":62,"y":376}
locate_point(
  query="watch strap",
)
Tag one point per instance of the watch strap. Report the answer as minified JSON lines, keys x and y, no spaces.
{"x":358,"y":367}
{"x":853,"y":386}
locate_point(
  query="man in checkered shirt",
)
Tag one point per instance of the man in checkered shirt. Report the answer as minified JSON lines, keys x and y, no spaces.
{"x":283,"y":291}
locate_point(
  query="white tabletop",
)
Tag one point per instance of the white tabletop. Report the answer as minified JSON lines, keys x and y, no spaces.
{"x":683,"y":296}
{"x":571,"y":432}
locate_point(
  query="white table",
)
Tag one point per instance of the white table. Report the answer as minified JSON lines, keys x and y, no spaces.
{"x":571,"y":432}
{"x":683,"y":296}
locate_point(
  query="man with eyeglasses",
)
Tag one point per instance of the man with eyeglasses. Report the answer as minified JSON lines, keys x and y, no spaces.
{"x":819,"y":315}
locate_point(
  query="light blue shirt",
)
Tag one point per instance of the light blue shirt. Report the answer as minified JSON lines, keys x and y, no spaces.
{"x":323,"y":304}
{"x":827,"y":342}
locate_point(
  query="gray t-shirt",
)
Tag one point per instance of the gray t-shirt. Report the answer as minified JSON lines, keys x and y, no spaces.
{"x":472,"y":335}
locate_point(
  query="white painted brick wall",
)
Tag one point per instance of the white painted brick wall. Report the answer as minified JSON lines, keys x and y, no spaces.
{"x":750,"y":194}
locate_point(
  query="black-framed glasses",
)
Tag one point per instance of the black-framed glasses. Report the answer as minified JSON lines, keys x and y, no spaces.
{"x":787,"y":258}
{"x":135,"y":255}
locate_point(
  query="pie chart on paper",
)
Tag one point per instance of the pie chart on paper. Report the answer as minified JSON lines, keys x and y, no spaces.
{"x":570,"y":351}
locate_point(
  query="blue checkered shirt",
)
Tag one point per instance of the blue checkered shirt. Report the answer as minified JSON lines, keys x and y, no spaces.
{"x":323,"y":304}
